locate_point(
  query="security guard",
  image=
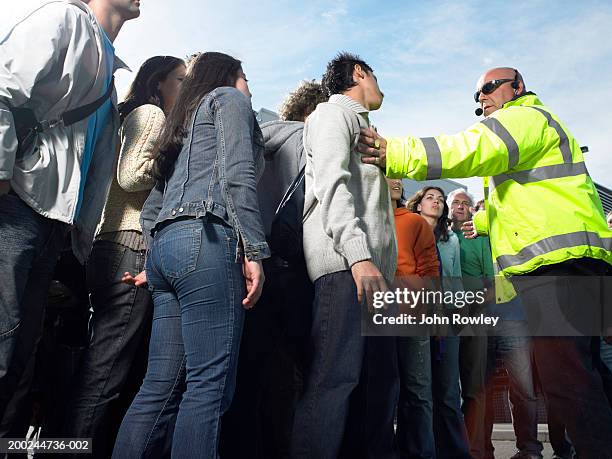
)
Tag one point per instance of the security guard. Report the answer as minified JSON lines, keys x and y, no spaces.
{"x":545,"y":220}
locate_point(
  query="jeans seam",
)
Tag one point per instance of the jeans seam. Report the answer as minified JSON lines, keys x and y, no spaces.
{"x":11,"y":331}
{"x":324,"y":331}
{"x":154,"y":426}
{"x":231,"y":326}
{"x":122,"y":340}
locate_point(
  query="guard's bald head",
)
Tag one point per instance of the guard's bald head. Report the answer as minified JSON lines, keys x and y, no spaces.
{"x":497,"y":73}
{"x":502,"y":91}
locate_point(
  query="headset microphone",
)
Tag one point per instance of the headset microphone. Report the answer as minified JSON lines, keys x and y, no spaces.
{"x":478,"y":111}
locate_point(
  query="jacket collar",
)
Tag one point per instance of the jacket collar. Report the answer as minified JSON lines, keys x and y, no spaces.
{"x":527,"y":99}
{"x":119,"y":64}
{"x":349,"y":103}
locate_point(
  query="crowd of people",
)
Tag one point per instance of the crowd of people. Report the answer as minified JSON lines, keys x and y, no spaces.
{"x":206,"y":339}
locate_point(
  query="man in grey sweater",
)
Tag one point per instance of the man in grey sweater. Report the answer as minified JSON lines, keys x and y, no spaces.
{"x":350,"y":251}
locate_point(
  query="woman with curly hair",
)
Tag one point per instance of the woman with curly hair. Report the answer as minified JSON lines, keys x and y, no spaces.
{"x":302,"y":102}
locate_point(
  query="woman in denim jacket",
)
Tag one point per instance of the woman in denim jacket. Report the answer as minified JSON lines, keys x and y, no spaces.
{"x":203,"y":263}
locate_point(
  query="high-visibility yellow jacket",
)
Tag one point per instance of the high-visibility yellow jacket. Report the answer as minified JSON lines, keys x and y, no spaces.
{"x":542,"y":207}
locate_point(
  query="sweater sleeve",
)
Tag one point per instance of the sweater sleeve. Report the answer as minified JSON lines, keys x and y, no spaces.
{"x":427,"y":264}
{"x":456,"y":258}
{"x":454,"y":282}
{"x":331,"y":148}
{"x":141,"y":131}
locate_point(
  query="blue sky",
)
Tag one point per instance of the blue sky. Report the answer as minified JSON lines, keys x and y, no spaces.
{"x":427,"y":55}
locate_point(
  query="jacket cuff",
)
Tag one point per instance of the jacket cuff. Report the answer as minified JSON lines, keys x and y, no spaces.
{"x":355,"y":250}
{"x":257,"y":251}
{"x":394,"y":150}
{"x":481,"y":225}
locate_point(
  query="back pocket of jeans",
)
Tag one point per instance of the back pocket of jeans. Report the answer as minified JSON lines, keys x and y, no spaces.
{"x":179,"y":248}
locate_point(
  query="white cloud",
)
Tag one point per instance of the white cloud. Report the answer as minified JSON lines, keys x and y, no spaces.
{"x":335,"y":13}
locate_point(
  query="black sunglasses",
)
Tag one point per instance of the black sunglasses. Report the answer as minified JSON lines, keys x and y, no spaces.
{"x":491,"y":86}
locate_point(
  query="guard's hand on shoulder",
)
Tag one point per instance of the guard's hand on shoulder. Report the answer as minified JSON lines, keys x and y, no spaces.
{"x":468,"y":230}
{"x":373,"y":147}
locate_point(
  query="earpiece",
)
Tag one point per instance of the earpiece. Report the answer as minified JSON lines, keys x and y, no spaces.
{"x":515,"y":84}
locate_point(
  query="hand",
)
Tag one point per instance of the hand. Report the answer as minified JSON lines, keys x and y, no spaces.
{"x":368,"y":280}
{"x":608,"y":340}
{"x":5,"y":187}
{"x":139,"y":281}
{"x":255,"y":278}
{"x":468,"y":230}
{"x":373,"y":148}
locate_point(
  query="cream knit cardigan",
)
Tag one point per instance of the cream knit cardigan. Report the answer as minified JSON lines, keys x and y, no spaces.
{"x":133,"y":178}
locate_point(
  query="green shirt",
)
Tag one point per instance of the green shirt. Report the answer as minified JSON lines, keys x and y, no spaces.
{"x":476,"y":260}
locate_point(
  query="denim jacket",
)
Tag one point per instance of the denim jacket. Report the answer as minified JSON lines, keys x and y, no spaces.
{"x":53,"y":61}
{"x":216,"y":173}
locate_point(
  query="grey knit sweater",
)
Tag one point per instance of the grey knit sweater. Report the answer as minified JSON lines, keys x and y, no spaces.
{"x":348,"y":213}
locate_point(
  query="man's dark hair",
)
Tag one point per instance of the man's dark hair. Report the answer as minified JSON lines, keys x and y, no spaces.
{"x":338,"y":76}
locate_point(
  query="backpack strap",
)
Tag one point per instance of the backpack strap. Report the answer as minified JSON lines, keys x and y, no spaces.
{"x":26,"y":124}
{"x":80,"y":113}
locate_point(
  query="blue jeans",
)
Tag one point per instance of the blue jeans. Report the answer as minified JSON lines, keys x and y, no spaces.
{"x":197,"y":290}
{"x":114,"y":364}
{"x":515,"y":351}
{"x":374,"y":406}
{"x":30,"y":245}
{"x":338,"y":349}
{"x":473,"y":368}
{"x":415,"y":434}
{"x":605,"y":367}
{"x":449,"y":428}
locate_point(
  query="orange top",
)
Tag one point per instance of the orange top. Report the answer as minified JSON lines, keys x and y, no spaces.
{"x":416,"y":245}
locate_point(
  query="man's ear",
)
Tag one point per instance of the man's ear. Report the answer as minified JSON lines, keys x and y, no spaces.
{"x":358,"y":72}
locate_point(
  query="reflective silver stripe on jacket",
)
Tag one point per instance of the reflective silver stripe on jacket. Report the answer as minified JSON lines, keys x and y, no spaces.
{"x":564,"y":144}
{"x":498,"y":129}
{"x":552,"y":243}
{"x":539,"y":173}
{"x":434,"y":158}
